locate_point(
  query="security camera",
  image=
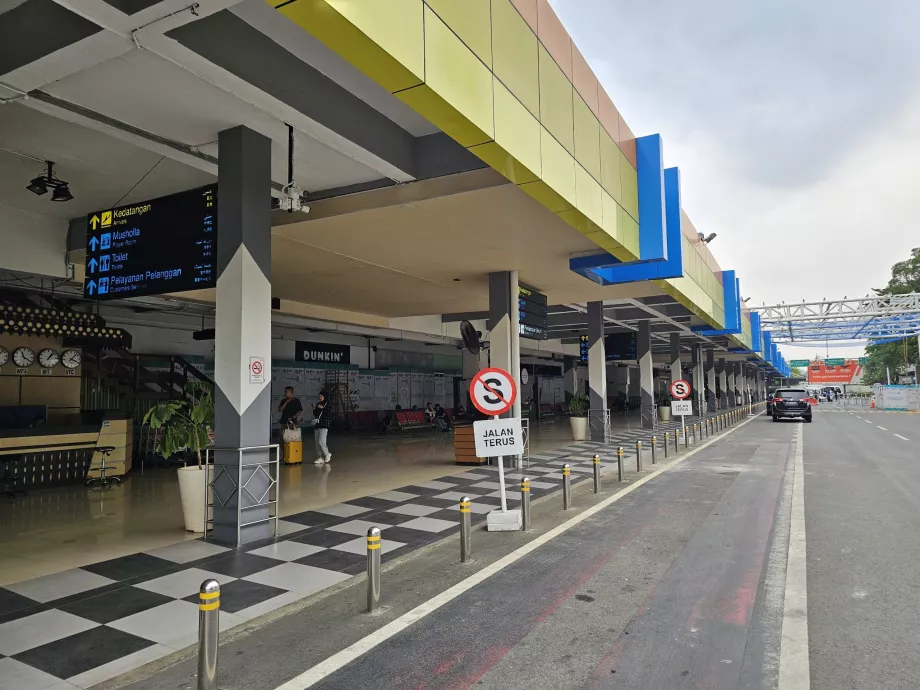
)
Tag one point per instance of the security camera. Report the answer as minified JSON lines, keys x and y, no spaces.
{"x":292,"y":199}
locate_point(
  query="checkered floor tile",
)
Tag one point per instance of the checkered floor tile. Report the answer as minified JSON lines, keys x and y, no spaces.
{"x":89,"y":624}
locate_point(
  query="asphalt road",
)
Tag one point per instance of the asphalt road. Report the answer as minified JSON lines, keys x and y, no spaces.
{"x":679,"y":583}
{"x":862,"y":515}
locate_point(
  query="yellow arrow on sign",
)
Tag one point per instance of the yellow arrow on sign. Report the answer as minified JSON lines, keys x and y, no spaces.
{"x":94,"y":222}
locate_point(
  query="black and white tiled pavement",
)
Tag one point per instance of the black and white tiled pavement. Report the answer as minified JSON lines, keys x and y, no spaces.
{"x":80,"y":627}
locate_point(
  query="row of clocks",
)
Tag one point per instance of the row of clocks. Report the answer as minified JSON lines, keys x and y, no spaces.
{"x":48,"y":358}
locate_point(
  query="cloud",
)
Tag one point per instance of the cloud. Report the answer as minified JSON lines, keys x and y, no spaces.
{"x":796,"y":126}
{"x":788,"y":86}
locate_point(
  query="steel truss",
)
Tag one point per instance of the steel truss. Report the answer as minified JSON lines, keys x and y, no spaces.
{"x":866,"y":318}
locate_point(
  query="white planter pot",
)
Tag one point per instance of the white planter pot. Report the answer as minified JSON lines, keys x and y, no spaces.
{"x":664,"y":414}
{"x":579,"y":428}
{"x":191,"y":491}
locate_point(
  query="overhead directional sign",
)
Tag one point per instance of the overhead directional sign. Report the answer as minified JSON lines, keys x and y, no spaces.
{"x":680,"y":389}
{"x":533,"y":319}
{"x":835,"y":362}
{"x":799,"y":363}
{"x":162,"y":245}
{"x":493,"y":391}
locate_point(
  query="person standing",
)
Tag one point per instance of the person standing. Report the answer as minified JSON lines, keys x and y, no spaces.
{"x":290,"y":409}
{"x":322,"y":420}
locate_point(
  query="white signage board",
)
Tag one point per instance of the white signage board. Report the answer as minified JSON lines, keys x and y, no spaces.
{"x":681,"y":407}
{"x":256,"y":370}
{"x":498,"y":437}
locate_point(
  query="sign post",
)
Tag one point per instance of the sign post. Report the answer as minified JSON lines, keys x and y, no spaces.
{"x":681,"y":390}
{"x":493,"y":392}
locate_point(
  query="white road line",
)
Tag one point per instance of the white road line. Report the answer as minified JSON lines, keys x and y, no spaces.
{"x":793,"y":655}
{"x":902,"y":438}
{"x":326,"y":668}
{"x":881,"y":427}
{"x":868,"y":421}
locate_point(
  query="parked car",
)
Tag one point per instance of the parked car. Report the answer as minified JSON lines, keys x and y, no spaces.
{"x":791,"y":402}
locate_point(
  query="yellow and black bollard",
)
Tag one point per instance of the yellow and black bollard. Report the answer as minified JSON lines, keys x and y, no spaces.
{"x":208,"y":625}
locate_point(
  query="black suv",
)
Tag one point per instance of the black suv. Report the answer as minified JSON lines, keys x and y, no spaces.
{"x":791,"y":402}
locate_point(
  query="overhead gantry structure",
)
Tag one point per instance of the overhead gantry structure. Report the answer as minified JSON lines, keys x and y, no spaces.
{"x":872,"y":318}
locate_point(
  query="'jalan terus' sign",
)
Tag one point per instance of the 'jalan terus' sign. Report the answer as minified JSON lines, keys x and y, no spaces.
{"x":322,"y":353}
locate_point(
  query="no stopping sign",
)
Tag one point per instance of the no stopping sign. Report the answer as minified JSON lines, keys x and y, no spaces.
{"x":493,"y":391}
{"x":680,"y":389}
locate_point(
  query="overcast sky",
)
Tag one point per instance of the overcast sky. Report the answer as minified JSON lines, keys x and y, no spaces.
{"x":796,"y":126}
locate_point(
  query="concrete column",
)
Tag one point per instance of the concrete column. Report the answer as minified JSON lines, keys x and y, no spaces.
{"x":597,"y":366}
{"x":515,"y":342}
{"x":676,"y":371}
{"x":570,"y":376}
{"x":242,"y":397}
{"x":718,"y":377}
{"x":646,"y":376}
{"x":710,"y":381}
{"x":694,"y":378}
{"x":724,"y":383}
{"x":737,"y":382}
{"x":632,"y":381}
{"x":504,"y":352}
{"x":699,"y":380}
{"x":502,"y":302}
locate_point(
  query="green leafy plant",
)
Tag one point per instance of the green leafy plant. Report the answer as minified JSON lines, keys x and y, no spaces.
{"x":185,"y":424}
{"x":578,"y":406}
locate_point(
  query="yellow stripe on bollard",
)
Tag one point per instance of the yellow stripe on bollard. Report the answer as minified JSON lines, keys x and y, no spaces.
{"x":209,"y":595}
{"x":373,"y":543}
{"x":209,"y":607}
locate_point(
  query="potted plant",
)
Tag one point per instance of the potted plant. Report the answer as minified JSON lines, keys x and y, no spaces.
{"x":578,"y":417}
{"x":185,"y":428}
{"x":664,"y":407}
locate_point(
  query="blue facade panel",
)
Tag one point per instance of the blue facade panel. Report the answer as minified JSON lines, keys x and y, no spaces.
{"x":731,"y":296}
{"x":660,"y":254}
{"x":756,"y":338}
{"x":652,"y":221}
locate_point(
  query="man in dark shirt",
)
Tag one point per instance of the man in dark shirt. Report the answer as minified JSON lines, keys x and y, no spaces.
{"x":290,"y":409}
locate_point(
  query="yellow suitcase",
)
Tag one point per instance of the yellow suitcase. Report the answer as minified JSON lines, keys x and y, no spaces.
{"x":292,"y":453}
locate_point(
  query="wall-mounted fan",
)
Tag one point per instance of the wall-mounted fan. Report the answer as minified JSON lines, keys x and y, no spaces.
{"x":472,"y":339}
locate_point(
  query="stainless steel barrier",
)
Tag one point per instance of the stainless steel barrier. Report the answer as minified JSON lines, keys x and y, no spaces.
{"x":239,"y":487}
{"x":208,"y":626}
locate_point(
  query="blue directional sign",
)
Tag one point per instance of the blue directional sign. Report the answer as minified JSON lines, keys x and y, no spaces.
{"x":153,"y":247}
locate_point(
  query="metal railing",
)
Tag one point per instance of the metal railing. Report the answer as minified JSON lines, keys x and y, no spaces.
{"x":268,"y":497}
{"x":599,"y":421}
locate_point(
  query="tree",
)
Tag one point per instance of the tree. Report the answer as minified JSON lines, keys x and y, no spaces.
{"x":884,"y":357}
{"x":888,"y":357}
{"x":905,"y":276}
{"x":799,"y":373}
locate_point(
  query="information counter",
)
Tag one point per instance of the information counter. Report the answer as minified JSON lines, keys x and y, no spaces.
{"x":54,"y":455}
